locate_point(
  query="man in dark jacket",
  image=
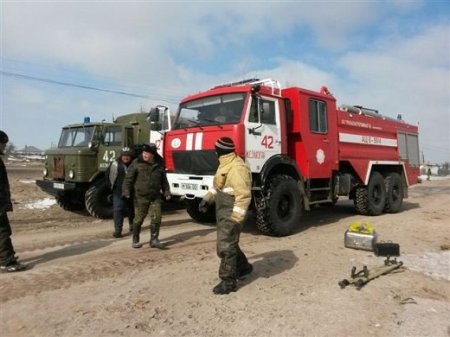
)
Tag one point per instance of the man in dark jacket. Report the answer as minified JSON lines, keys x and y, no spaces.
{"x":146,"y":179}
{"x":122,"y":207}
{"x":8,"y":260}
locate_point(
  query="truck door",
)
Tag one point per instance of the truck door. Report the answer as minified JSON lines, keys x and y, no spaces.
{"x":262,"y":135}
{"x":320,"y":137}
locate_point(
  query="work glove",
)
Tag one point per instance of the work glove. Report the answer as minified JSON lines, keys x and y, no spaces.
{"x":203,"y":206}
{"x":236,"y":217}
{"x":167,"y":196}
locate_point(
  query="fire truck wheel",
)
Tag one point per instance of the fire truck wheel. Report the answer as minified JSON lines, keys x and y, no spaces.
{"x":371,"y":199}
{"x":261,"y":216}
{"x":194,"y":213}
{"x":70,"y":201}
{"x":394,"y":193}
{"x":284,"y":208}
{"x":97,"y":202}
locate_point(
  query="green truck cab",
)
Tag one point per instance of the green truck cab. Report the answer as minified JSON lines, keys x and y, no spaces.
{"x":74,"y":171}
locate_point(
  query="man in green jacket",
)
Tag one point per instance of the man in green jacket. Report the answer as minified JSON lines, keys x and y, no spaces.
{"x":231,"y":193}
{"x":146,"y":180}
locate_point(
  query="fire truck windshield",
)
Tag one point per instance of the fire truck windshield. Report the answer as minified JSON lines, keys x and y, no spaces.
{"x":212,"y":110}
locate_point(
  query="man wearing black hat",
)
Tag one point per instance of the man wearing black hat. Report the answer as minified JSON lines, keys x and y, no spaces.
{"x":8,"y":260}
{"x":122,"y":207}
{"x":146,"y":179}
{"x":231,"y":193}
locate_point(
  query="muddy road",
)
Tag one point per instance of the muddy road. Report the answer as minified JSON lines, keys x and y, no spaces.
{"x":83,"y":282}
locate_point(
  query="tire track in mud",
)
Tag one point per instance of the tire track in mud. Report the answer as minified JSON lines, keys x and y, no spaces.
{"x":56,"y":222}
{"x":56,"y":276}
{"x":46,"y":274}
{"x":64,"y":242}
{"x":77,"y":238}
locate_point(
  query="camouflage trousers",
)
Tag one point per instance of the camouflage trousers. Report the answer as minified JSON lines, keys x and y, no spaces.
{"x":232,"y":259}
{"x":142,"y":208}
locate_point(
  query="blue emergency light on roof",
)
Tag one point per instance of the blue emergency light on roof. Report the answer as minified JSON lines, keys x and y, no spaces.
{"x":87,"y":119}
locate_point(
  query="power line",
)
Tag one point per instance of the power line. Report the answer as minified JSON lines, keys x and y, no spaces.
{"x":76,"y":85}
{"x":16,"y":66}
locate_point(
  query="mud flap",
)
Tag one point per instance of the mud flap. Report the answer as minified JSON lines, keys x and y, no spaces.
{"x":301,"y":187}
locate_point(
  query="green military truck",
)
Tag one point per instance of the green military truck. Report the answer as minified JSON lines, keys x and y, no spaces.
{"x":74,"y":172}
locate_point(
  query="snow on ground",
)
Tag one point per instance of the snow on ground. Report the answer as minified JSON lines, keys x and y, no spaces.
{"x":26,"y":158}
{"x":27,"y":181}
{"x":434,"y":264}
{"x":40,"y":204}
{"x":423,"y":177}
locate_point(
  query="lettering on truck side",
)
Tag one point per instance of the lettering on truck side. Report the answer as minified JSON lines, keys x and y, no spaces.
{"x":371,"y":140}
{"x":109,"y":155}
{"x":368,"y":140}
{"x":358,"y":124}
{"x":255,"y":154}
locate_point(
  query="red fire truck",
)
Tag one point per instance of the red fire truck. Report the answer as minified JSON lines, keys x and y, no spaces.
{"x":302,"y":150}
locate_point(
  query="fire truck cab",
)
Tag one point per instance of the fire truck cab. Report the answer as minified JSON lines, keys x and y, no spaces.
{"x":301,"y":149}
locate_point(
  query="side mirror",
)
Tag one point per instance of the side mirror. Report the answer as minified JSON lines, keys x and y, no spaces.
{"x":260,"y":109}
{"x":93,"y":145}
{"x":154,"y":115}
{"x":256,"y":117}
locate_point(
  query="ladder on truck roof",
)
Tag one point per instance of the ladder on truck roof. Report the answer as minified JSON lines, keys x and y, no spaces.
{"x":360,"y":110}
{"x":268,"y":82}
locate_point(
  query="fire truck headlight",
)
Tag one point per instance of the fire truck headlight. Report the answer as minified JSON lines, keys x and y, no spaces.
{"x":71,"y":174}
{"x":45,"y":172}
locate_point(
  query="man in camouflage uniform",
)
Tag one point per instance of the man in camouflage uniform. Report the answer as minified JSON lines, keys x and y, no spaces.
{"x":8,"y":260}
{"x":232,"y":195}
{"x":146,"y":179}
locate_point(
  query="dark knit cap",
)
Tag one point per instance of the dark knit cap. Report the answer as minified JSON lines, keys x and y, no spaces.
{"x":224,"y":145}
{"x":3,"y":137}
{"x":149,"y":147}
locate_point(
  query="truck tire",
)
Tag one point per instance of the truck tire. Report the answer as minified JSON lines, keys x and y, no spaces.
{"x":371,"y":199}
{"x":260,"y":212}
{"x":394,"y":193}
{"x":194,"y":213}
{"x":70,"y":201}
{"x":97,"y":200}
{"x":283,"y":209}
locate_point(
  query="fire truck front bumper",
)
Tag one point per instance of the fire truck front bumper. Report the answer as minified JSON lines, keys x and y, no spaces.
{"x":189,"y":186}
{"x":55,"y":187}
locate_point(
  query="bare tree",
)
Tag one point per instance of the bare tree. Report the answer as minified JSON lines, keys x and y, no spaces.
{"x":10,"y":148}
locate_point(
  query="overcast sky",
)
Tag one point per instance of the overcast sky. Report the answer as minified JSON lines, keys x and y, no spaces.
{"x":390,"y":55}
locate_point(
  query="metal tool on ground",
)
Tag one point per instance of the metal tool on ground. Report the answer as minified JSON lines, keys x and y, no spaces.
{"x":386,"y":249}
{"x":359,"y":279}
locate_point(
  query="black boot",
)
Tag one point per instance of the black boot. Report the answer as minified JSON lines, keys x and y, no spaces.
{"x":245,"y":270}
{"x":12,"y":265}
{"x":154,"y":234}
{"x":136,"y":234}
{"x":225,"y":287}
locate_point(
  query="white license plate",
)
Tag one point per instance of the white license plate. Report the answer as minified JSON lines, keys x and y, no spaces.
{"x":58,"y":186}
{"x":192,"y":187}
